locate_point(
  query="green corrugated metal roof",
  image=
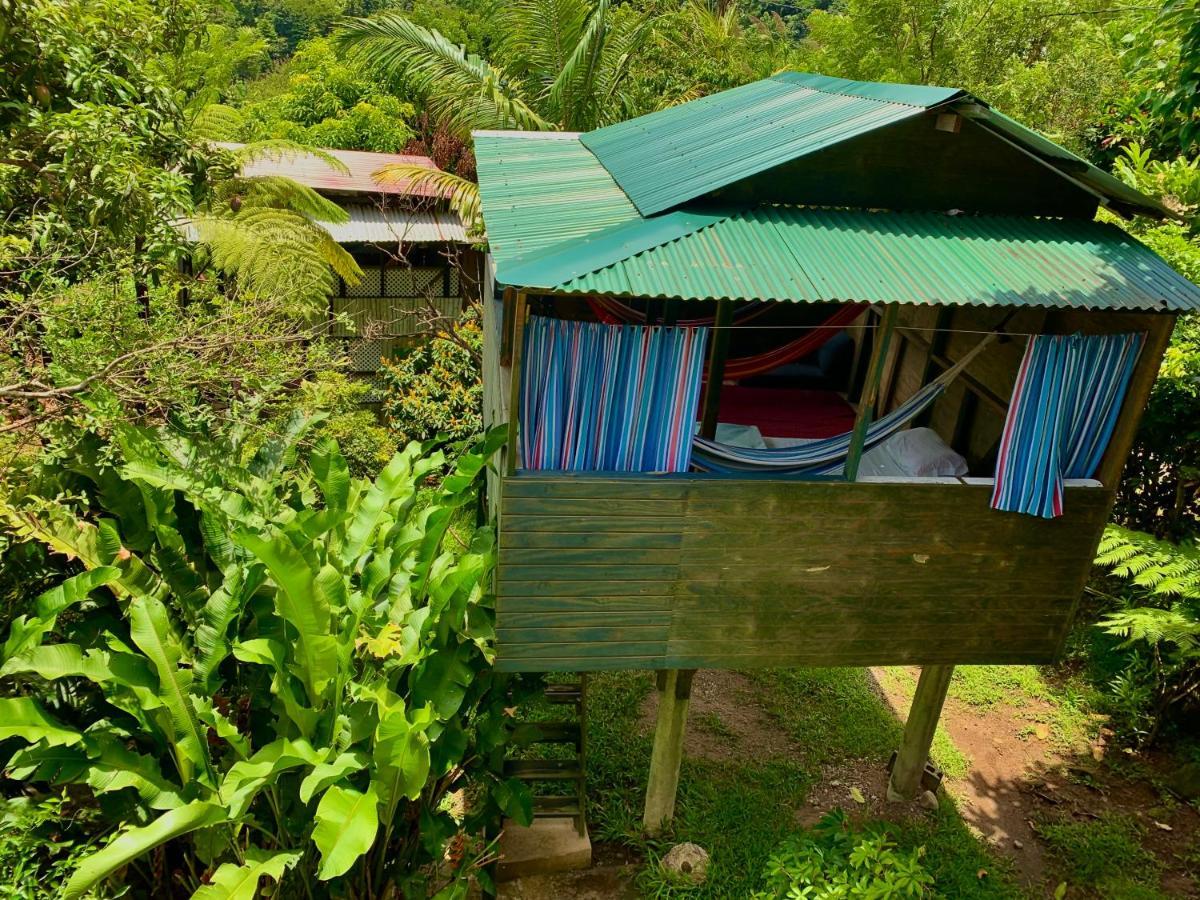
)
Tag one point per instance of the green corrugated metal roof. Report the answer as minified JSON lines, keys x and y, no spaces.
{"x":540,"y":188}
{"x":677,"y":154}
{"x":815,"y":255}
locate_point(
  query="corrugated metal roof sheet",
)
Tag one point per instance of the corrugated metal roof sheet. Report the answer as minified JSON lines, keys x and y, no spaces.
{"x":313,"y":171}
{"x":540,"y":188}
{"x":370,"y":224}
{"x":814,"y":255}
{"x":669,"y":157}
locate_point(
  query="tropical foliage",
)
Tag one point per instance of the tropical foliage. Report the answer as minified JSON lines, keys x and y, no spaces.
{"x":1156,"y":617}
{"x":435,"y":387}
{"x":320,"y":100}
{"x":832,"y":860}
{"x":271,"y":672}
{"x":557,"y":65}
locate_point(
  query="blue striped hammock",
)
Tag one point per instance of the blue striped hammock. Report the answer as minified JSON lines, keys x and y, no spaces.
{"x":824,"y":456}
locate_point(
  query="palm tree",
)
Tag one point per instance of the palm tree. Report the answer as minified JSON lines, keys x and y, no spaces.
{"x":565,"y":67}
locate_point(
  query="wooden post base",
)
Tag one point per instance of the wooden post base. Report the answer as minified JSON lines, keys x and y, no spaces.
{"x":905,"y":781}
{"x":674,"y":692}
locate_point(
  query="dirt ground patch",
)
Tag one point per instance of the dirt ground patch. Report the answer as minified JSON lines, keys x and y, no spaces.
{"x":725,"y":721}
{"x":1019,"y":779}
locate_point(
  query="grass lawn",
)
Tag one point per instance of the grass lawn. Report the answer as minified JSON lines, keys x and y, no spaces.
{"x":741,"y":809}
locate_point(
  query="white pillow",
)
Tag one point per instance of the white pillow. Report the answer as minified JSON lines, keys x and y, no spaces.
{"x":922,"y":453}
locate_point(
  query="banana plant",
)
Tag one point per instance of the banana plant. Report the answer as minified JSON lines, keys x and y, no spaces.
{"x":275,"y":669}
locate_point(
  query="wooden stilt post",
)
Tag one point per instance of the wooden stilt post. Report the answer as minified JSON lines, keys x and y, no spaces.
{"x":674,"y":691}
{"x":905,"y":782}
{"x":675,"y":685}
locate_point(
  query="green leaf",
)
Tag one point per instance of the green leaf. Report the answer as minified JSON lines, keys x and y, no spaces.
{"x":246,"y":778}
{"x":326,"y":773}
{"x":54,"y":661}
{"x":222,"y":610}
{"x":57,"y":765}
{"x":301,"y":600}
{"x":114,"y":767}
{"x":401,"y":755}
{"x":442,"y":679}
{"x":234,"y":882}
{"x":515,"y":800}
{"x":25,"y":633}
{"x":280,"y":449}
{"x":347,"y":821}
{"x":150,"y":629}
{"x":23,"y":717}
{"x":396,"y":480}
{"x":136,"y":842}
{"x":331,"y":473}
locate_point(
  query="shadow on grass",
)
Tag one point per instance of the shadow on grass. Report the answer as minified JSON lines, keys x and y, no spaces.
{"x":741,"y":809}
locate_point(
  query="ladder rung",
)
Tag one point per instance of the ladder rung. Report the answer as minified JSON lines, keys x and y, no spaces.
{"x":546,"y":733}
{"x":543,"y":769}
{"x":555,"y":806}
{"x":564,"y":693}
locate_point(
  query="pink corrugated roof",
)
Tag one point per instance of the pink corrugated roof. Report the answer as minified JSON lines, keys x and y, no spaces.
{"x":316,"y":173}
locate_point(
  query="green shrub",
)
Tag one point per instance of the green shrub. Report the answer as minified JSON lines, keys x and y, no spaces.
{"x":41,"y":841}
{"x":833,"y":861}
{"x":436,"y":387}
{"x":365,"y":443}
{"x":271,"y":671}
{"x":1156,"y":620}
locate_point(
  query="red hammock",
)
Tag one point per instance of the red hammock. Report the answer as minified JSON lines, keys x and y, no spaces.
{"x":746,"y":366}
{"x":613,"y":312}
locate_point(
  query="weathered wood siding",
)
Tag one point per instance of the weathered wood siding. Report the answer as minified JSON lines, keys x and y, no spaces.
{"x":612,"y":572}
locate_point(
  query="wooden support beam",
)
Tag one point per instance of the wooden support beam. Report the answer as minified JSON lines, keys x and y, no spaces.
{"x":972,"y":384}
{"x":514,"y":386}
{"x":717,"y":354}
{"x":866,"y":402}
{"x":935,"y":348}
{"x":905,"y":781}
{"x":674,"y":692}
{"x":506,"y":327}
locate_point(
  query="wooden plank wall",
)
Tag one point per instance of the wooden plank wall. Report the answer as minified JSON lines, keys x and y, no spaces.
{"x":604,"y":572}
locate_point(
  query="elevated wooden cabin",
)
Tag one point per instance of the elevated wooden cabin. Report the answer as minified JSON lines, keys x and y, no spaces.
{"x":940,"y":236}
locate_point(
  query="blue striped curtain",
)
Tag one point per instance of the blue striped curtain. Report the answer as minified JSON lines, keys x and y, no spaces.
{"x":612,"y":398}
{"x":1064,"y":408}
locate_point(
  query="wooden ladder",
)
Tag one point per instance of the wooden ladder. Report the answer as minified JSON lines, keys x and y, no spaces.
{"x":540,"y":772}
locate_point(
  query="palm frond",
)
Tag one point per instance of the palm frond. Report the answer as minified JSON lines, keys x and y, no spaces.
{"x":461,"y":91}
{"x":461,"y":194}
{"x":622,"y":43}
{"x":573,"y":86}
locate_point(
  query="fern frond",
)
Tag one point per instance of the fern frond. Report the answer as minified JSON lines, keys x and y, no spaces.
{"x":1160,"y":567}
{"x":280,"y":149}
{"x":280,"y":192}
{"x":463,"y":195}
{"x":461,"y":91}
{"x":273,"y":252}
{"x":218,"y":122}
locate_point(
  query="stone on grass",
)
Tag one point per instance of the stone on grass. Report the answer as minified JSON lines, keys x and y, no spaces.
{"x":687,"y":862}
{"x":928,"y":799}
